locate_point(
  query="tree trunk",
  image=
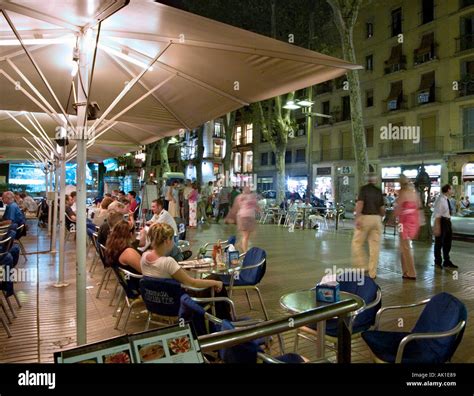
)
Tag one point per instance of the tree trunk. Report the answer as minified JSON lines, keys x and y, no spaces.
{"x":165,"y":164}
{"x":100,"y":179}
{"x":150,"y":152}
{"x":229,"y":123}
{"x":280,"y":187}
{"x":345,"y":17}
{"x":200,"y":154}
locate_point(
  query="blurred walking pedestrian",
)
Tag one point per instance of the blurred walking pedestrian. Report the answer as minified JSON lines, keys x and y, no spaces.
{"x":246,"y":211}
{"x":368,"y":226}
{"x":193,"y":200}
{"x":407,"y":209}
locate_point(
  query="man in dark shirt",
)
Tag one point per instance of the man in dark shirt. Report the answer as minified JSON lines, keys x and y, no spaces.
{"x":368,"y":226}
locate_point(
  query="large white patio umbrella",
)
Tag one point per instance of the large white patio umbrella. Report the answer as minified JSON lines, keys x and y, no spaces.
{"x":151,"y":69}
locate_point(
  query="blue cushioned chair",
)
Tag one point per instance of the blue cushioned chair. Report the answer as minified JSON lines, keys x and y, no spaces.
{"x":161,"y":297}
{"x":434,"y":339}
{"x":130,"y":291}
{"x":359,"y":321}
{"x":253,"y":269}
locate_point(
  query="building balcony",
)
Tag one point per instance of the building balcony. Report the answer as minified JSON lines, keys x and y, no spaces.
{"x":465,"y":42}
{"x":419,"y":59}
{"x":466,"y":85}
{"x":394,"y":148}
{"x":324,"y":87}
{"x":395,"y":67}
{"x":422,"y":98}
{"x":395,"y":104}
{"x":463,"y":142}
{"x":337,"y":154}
{"x":338,"y":116}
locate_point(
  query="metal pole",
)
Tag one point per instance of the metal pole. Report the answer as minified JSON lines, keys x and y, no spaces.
{"x":309,"y":147}
{"x":50,"y":202}
{"x":81,"y":231}
{"x":62,"y":219}
{"x":55,"y":207}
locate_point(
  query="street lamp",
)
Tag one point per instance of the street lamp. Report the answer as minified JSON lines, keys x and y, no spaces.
{"x":306,"y":106}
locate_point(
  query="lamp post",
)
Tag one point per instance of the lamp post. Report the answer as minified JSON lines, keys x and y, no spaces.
{"x":306,"y":105}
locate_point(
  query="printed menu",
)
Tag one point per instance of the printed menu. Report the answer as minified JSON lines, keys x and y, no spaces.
{"x":174,"y":344}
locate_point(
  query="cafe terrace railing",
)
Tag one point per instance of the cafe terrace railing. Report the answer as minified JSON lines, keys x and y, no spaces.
{"x":341,"y":309}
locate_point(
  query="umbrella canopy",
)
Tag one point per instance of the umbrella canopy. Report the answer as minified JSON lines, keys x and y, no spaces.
{"x":200,"y":69}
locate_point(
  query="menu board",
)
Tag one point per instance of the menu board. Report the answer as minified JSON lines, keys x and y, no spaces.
{"x":174,"y":344}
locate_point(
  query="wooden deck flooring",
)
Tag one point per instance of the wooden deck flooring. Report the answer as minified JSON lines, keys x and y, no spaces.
{"x":46,"y":322}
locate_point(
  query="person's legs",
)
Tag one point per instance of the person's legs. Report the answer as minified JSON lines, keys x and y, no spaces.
{"x":447,"y":241}
{"x":6,"y":264}
{"x":15,"y":253}
{"x":437,"y":250}
{"x":408,"y":266}
{"x":359,"y":257}
{"x":245,"y":240}
{"x":374,"y":236}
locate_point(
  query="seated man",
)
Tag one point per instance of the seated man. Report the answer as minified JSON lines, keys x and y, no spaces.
{"x":160,"y":215}
{"x":115,"y":214}
{"x":72,"y":215}
{"x":13,"y":214}
{"x":8,"y":260}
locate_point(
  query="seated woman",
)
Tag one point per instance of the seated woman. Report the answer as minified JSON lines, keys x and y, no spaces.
{"x":156,"y":263}
{"x":100,"y":213}
{"x":119,"y":249}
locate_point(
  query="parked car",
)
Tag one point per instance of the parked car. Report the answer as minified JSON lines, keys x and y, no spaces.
{"x":463,"y":224}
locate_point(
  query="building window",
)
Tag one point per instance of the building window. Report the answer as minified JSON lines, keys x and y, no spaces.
{"x":369,"y":63}
{"x":288,"y":157}
{"x":273,"y":158}
{"x":248,"y":162}
{"x":396,"y":22}
{"x":325,"y":109}
{"x":468,"y":128}
{"x":248,"y":134}
{"x":369,"y":98}
{"x":369,"y":137}
{"x":466,"y":41}
{"x":237,"y":163}
{"x":426,"y":90}
{"x":346,"y":108}
{"x":300,"y":155}
{"x":218,"y":130}
{"x":238,"y":136}
{"x":369,"y":29}
{"x":426,"y":51}
{"x":427,"y":11}
{"x":466,"y":85}
{"x":395,"y":98}
{"x":466,"y":3}
{"x":217,"y":150}
{"x":264,"y":159}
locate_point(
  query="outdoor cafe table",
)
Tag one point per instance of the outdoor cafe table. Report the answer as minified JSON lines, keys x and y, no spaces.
{"x":305,"y":300}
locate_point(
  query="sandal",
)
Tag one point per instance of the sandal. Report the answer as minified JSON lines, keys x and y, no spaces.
{"x":409,"y":277}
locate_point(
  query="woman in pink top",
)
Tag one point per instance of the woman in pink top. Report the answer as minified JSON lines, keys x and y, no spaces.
{"x":407,"y":210}
{"x":192,"y":199}
{"x":246,"y":210}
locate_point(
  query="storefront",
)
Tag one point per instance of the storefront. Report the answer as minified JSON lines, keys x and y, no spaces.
{"x":297,"y":184}
{"x":390,"y":176}
{"x":323,"y":187}
{"x":468,"y":180}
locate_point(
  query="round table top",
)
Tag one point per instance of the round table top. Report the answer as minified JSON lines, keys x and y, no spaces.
{"x":304,"y":300}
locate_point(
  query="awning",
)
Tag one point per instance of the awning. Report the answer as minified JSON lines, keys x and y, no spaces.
{"x":396,"y":90}
{"x":202,"y":69}
{"x":427,"y":81}
{"x":426,"y":44}
{"x":395,"y":56}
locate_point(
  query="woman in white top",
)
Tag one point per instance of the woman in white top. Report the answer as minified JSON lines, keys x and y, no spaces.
{"x":155,"y":263}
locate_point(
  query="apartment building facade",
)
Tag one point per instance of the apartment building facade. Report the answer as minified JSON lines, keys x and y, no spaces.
{"x":418,"y":98}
